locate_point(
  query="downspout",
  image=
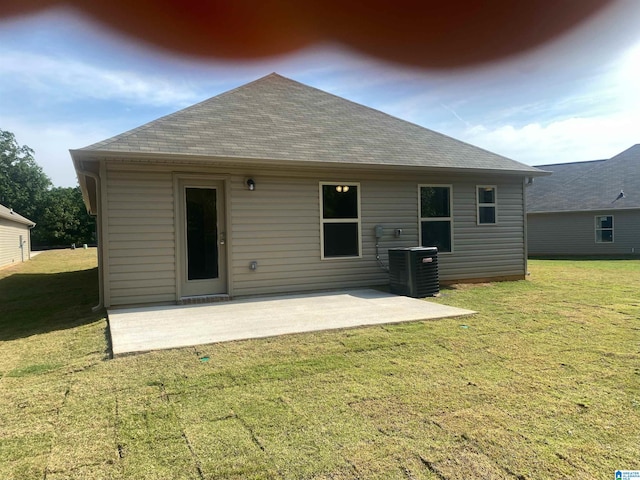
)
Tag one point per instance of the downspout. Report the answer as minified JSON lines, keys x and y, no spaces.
{"x":380,"y":263}
{"x":96,"y":179}
{"x":378,"y":231}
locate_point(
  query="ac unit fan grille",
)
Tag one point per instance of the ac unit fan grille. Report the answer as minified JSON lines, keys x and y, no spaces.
{"x":414,"y":271}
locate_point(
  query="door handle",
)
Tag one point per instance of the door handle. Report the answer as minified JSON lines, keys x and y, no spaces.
{"x":222,"y":238}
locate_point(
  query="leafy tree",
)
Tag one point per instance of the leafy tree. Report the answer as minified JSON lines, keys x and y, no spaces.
{"x":63,"y":219}
{"x":23,"y":183}
{"x":59,"y":213}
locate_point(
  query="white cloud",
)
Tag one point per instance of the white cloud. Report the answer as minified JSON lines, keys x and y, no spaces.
{"x":65,"y":79}
{"x":604,"y":121}
{"x":568,"y":140}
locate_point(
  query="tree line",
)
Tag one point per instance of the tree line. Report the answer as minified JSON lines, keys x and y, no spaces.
{"x":59,"y":212}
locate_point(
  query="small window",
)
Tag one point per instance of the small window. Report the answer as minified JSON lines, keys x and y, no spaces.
{"x":487,"y":203}
{"x":435,"y":217}
{"x":340,"y":220}
{"x":604,"y":229}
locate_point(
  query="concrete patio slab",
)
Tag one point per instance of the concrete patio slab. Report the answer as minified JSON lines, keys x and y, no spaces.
{"x":155,"y":328}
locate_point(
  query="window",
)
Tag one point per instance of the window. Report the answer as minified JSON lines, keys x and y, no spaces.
{"x":435,"y":217}
{"x":487,"y":202}
{"x":604,"y":229}
{"x":340,"y":220}
{"x":202,"y":233}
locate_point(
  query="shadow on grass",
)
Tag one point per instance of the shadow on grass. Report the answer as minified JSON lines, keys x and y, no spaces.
{"x":39,"y":303}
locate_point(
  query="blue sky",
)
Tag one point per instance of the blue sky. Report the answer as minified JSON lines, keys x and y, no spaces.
{"x":66,"y":83}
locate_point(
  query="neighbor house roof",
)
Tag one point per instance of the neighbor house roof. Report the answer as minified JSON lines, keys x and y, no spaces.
{"x":9,"y":214}
{"x":588,"y":186}
{"x":275,"y":119}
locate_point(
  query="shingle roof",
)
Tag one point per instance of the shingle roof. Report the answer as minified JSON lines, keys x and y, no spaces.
{"x":275,"y":118}
{"x":583,"y":186}
{"x":9,"y":214}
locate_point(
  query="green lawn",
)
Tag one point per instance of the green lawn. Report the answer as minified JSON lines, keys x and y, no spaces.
{"x":543,"y":383}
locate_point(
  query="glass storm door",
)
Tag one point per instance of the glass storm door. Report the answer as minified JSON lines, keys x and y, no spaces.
{"x":203,"y":255}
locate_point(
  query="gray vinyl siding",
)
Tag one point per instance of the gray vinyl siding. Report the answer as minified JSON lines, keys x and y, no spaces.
{"x":278,"y":226}
{"x":10,"y":251}
{"x":140,"y":238}
{"x":489,"y":250}
{"x":573,"y":233}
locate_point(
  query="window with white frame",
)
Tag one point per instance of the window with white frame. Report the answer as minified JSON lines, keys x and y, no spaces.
{"x":487,"y":203}
{"x":340,"y":220}
{"x":604,"y":228}
{"x":436,"y":221}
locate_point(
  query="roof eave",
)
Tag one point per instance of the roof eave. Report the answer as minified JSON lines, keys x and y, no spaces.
{"x":90,"y":201}
{"x":18,"y":219}
{"x":585,"y":210}
{"x":95,"y":155}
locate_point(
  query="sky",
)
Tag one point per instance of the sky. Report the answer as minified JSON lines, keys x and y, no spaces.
{"x":66,"y":83}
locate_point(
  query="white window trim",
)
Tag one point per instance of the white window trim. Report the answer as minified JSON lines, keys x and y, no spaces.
{"x":494,"y":204}
{"x":436,"y":219}
{"x":340,"y":220}
{"x":596,"y":229}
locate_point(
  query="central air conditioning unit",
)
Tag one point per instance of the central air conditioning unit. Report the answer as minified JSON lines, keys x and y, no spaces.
{"x":413,"y":271}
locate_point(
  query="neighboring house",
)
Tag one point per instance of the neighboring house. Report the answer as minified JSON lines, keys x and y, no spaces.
{"x":586,"y":208}
{"x":277,"y":187}
{"x":15,"y":237}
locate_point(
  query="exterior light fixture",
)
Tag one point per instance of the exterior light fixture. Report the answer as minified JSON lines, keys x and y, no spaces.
{"x":251,"y":183}
{"x":342,"y":188}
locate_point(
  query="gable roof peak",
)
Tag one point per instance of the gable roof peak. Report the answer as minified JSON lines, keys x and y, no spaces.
{"x":278,"y":119}
{"x":633,"y":152}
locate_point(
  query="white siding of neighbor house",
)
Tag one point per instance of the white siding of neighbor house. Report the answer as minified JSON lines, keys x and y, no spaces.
{"x":278,"y":226}
{"x":573,"y":233}
{"x":10,"y":251}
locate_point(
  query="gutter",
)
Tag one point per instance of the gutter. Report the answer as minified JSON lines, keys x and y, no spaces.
{"x":590,"y":210}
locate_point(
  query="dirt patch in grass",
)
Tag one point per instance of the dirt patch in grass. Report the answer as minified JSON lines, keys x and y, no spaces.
{"x":542,"y":383}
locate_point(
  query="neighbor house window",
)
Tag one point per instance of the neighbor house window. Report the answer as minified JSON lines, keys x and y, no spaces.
{"x":604,"y":229}
{"x":435,"y":217}
{"x":487,"y":203}
{"x":340,"y":220}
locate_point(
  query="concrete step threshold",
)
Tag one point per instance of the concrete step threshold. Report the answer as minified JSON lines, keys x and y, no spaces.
{"x":198,"y":299}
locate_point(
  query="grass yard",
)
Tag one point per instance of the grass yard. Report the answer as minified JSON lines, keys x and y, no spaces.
{"x":543,"y":383}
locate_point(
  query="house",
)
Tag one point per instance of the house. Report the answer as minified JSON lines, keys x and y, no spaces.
{"x":15,"y":237}
{"x":278,"y":187}
{"x":586,"y":208}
